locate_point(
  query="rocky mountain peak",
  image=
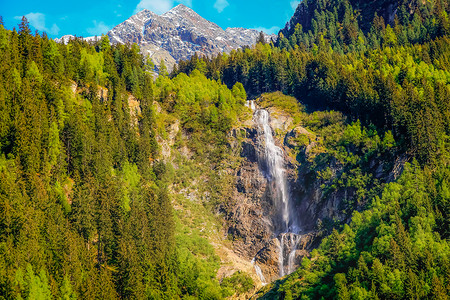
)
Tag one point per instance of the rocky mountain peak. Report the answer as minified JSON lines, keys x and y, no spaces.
{"x":178,"y":34}
{"x":181,"y":9}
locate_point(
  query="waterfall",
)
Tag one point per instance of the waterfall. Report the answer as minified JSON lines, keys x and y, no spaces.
{"x":288,"y":242}
{"x":259,"y":272}
{"x":272,"y":163}
{"x":250,"y":104}
{"x":281,"y":255}
{"x":295,"y":239}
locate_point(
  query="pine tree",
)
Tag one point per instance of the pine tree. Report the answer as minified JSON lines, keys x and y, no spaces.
{"x":261,"y":38}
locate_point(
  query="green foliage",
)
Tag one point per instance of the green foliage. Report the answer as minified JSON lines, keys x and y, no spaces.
{"x":394,"y":76}
{"x":238,"y":282}
{"x":33,"y":73}
{"x":239,"y":92}
{"x":131,"y":179}
{"x":288,"y":104}
{"x":85,"y":192}
{"x":67,"y":290}
{"x":394,"y":249}
{"x":92,"y":65}
{"x":198,"y":267}
{"x":32,"y":286}
{"x":347,"y":26}
{"x":207,"y":110}
{"x":54,"y":147}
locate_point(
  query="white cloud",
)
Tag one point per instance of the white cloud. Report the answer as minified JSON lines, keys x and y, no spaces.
{"x":99,"y":28}
{"x":220,"y":5}
{"x":156,"y":6}
{"x":271,"y":30}
{"x":160,"y":6}
{"x":294,"y":4}
{"x":185,"y":2}
{"x":37,"y":20}
{"x":54,"y":30}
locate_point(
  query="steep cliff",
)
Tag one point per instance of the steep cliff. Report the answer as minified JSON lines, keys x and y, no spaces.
{"x":321,"y":185}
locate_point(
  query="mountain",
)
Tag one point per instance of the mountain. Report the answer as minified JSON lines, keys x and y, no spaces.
{"x":180,"y":33}
{"x":310,"y":11}
{"x":66,"y":38}
{"x":318,"y":169}
{"x":347,"y":25}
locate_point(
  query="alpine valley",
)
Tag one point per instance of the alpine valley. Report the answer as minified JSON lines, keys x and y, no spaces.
{"x":310,"y":165}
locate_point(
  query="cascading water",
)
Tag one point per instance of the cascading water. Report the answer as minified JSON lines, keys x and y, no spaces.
{"x":250,"y":104}
{"x":295,"y":239}
{"x":274,"y":165}
{"x":259,"y":271}
{"x":272,"y":161}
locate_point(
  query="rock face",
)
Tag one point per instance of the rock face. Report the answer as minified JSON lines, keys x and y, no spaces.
{"x":253,"y":220}
{"x":268,"y":257}
{"x":178,"y":34}
{"x":252,"y":217}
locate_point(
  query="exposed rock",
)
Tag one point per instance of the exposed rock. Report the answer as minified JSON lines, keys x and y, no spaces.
{"x":73,"y":88}
{"x":167,"y":143}
{"x":178,"y":34}
{"x":252,"y":217}
{"x":299,"y":136}
{"x":173,"y":130}
{"x":268,"y":257}
{"x":66,"y":38}
{"x":279,"y":120}
{"x":135,"y":109}
{"x":102,"y":93}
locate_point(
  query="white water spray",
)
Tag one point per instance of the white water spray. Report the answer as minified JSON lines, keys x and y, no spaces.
{"x":281,"y":255}
{"x":250,"y":104}
{"x":275,"y":172}
{"x":295,"y":239}
{"x":259,"y":272}
{"x":273,"y":157}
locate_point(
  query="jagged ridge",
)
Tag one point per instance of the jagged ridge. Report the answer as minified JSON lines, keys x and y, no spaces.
{"x":178,"y":34}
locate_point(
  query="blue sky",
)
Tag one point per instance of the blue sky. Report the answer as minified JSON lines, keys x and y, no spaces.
{"x":94,"y":17}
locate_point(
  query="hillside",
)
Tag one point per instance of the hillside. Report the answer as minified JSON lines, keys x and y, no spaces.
{"x":390,"y":78}
{"x":359,"y":25}
{"x":316,"y":167}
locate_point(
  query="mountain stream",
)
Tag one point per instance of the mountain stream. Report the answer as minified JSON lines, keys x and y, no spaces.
{"x":272,"y":164}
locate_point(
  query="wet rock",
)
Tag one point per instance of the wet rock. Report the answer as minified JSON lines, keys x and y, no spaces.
{"x":295,"y":248}
{"x":249,"y":152}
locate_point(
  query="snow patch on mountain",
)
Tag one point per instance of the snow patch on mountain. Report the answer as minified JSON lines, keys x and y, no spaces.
{"x":180,"y":33}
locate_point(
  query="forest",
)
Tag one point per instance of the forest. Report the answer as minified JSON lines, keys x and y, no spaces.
{"x":86,"y":209}
{"x":89,"y":207}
